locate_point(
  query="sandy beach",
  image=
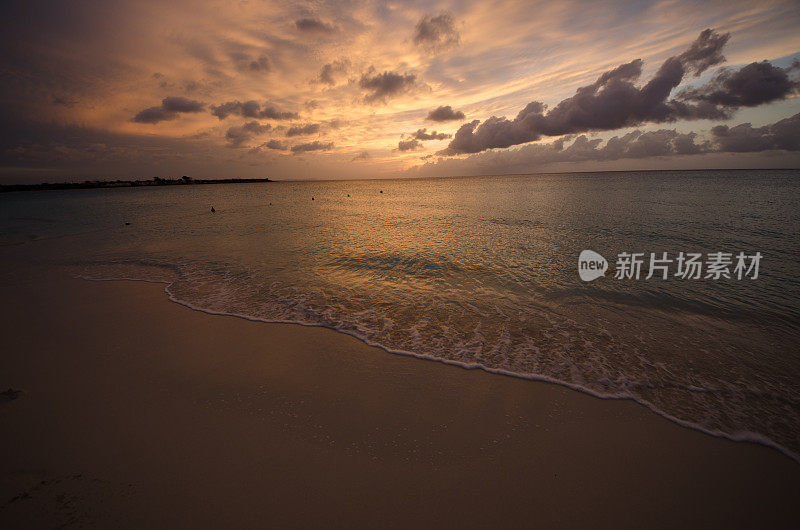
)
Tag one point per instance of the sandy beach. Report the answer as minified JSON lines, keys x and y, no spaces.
{"x":138,"y":412}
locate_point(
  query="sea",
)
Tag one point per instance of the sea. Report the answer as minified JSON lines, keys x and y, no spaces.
{"x":482,"y":273}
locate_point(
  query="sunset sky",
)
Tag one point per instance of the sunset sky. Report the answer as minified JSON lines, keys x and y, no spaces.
{"x":122,"y":88}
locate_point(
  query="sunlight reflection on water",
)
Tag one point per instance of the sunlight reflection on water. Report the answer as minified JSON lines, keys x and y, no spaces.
{"x":480,"y":271}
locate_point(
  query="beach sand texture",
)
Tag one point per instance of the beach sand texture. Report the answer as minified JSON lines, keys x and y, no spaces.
{"x":138,"y":412}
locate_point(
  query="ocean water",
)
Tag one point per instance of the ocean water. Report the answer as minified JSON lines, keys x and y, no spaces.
{"x":479,"y":272}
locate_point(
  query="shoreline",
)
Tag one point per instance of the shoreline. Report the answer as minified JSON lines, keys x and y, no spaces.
{"x":139,"y":412}
{"x":113,"y":184}
{"x":742,"y":437}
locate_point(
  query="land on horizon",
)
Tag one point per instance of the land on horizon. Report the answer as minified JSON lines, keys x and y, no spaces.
{"x":156,"y":181}
{"x":159,"y":181}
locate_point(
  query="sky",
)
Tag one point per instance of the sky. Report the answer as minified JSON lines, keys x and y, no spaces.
{"x":125,"y":89}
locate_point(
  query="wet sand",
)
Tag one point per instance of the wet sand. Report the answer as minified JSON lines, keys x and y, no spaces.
{"x":138,"y":412}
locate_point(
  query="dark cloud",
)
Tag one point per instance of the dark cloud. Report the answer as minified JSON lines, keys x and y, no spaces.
{"x":64,"y":101}
{"x":423,"y":134}
{"x":611,"y":102}
{"x":181,"y":104}
{"x":244,"y":61}
{"x":744,"y":138}
{"x":170,"y":108}
{"x":705,"y":52}
{"x":275,"y":144}
{"x":331,"y":71}
{"x":262,"y":64}
{"x":385,"y":85}
{"x":81,"y":152}
{"x":638,"y":144}
{"x":192,"y":86}
{"x":314,"y":25}
{"x":240,"y":135}
{"x":363,"y":155}
{"x":750,"y":86}
{"x":272,"y":113}
{"x":436,"y":33}
{"x":312,"y":146}
{"x":783,"y":135}
{"x":445,"y":113}
{"x":494,"y":132}
{"x":298,"y":130}
{"x":250,"y":109}
{"x":635,"y":144}
{"x":409,"y":145}
{"x":154,"y":115}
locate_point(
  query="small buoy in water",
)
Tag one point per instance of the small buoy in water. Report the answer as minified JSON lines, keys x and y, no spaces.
{"x":212,"y":209}
{"x":270,"y":204}
{"x":127,"y":223}
{"x":312,"y":198}
{"x":381,"y":191}
{"x":348,"y":194}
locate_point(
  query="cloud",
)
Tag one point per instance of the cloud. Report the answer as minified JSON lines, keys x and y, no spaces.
{"x":409,"y":145}
{"x":611,"y":102}
{"x":423,"y":134}
{"x":170,"y":108}
{"x":385,"y":85}
{"x":297,"y":130}
{"x":250,"y":109}
{"x":311,"y":146}
{"x":106,"y":60}
{"x":314,"y":25}
{"x":436,"y":33}
{"x":704,"y":52}
{"x":638,"y":144}
{"x":275,"y":144}
{"x":783,"y":135}
{"x":64,"y":101}
{"x":331,"y":71}
{"x":248,"y":60}
{"x":494,"y":132}
{"x":262,"y":64}
{"x":181,"y":104}
{"x":240,"y":135}
{"x":445,"y":113}
{"x":363,"y":155}
{"x":744,"y":138}
{"x":750,"y":86}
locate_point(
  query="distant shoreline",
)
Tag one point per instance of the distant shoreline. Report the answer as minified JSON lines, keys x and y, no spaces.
{"x":157,"y":181}
{"x":91,"y":184}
